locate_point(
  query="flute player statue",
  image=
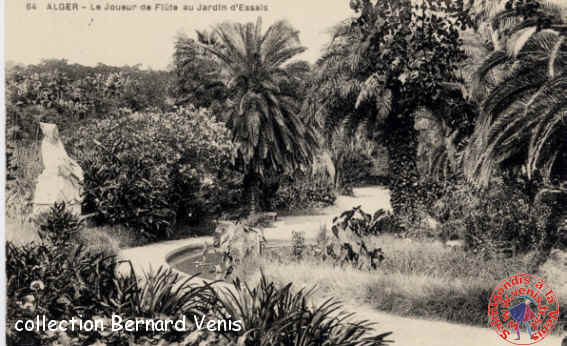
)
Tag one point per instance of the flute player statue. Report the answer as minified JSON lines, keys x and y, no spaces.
{"x":61,"y":179}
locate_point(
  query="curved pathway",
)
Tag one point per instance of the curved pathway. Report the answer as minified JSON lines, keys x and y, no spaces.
{"x":370,"y":198}
{"x":420,"y":332}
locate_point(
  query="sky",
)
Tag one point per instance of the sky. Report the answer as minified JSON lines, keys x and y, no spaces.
{"x":128,"y":38}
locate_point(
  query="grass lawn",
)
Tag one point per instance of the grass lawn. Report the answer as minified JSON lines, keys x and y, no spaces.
{"x":417,"y":279}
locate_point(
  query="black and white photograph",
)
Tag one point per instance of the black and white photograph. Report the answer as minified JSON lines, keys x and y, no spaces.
{"x":284,"y":173}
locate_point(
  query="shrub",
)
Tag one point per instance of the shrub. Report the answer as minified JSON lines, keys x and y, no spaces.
{"x":274,"y":315}
{"x":303,"y":192}
{"x":503,"y":214}
{"x":506,"y":216}
{"x":58,"y":282}
{"x":363,"y":224}
{"x":58,"y":226}
{"x":148,"y":171}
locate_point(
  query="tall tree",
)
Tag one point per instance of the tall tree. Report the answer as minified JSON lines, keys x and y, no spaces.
{"x":263,"y":104}
{"x":391,"y":60}
{"x":522,"y":131}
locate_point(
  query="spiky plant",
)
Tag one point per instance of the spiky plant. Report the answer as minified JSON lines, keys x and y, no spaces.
{"x":162,"y":292}
{"x":273,"y":315}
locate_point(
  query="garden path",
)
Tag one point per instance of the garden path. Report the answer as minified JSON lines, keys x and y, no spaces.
{"x":420,"y":332}
{"x":370,"y":198}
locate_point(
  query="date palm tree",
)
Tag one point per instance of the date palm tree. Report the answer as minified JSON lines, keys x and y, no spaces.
{"x":263,"y":105}
{"x":522,"y":103}
{"x":522,"y":128}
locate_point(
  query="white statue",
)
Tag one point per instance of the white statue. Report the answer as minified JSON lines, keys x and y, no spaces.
{"x":61,"y":179}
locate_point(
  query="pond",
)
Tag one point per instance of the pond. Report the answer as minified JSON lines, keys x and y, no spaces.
{"x":192,"y":261}
{"x":202,"y":265}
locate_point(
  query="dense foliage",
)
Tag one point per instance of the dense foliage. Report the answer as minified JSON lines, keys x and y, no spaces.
{"x":522,"y":120}
{"x":64,"y":282}
{"x":198,"y":79}
{"x":505,"y":215}
{"x":151,"y":170}
{"x":384,"y":65}
{"x":274,"y":315}
{"x":62,"y":93}
{"x":302,"y":192}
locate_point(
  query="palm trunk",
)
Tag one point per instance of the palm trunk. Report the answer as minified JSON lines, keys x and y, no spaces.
{"x":251,"y":181}
{"x":401,"y":144}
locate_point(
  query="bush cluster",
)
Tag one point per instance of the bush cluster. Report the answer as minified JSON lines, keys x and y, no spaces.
{"x":149,"y":171}
{"x":303,"y":191}
{"x":357,"y":169}
{"x":503,"y":214}
{"x":506,"y":216}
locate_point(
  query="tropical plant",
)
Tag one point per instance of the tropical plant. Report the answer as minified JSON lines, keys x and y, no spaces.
{"x":273,"y":315}
{"x":384,"y":65}
{"x":162,"y":292}
{"x":363,"y":224}
{"x":77,"y":279}
{"x":521,"y":130}
{"x":59,"y":226}
{"x":523,"y":114}
{"x":262,"y":109}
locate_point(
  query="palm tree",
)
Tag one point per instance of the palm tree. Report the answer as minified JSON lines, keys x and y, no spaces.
{"x":263,"y":105}
{"x":522,"y":115}
{"x":382,"y":66}
{"x":502,"y":28}
{"x":522,"y":129}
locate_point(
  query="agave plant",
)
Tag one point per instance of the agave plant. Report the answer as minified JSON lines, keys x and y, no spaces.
{"x":161,"y":292}
{"x":274,"y":315}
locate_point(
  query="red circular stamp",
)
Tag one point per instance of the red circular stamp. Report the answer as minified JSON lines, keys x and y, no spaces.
{"x":523,"y":309}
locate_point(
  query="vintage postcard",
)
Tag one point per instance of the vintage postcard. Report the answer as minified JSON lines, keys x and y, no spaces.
{"x":269,"y":172}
